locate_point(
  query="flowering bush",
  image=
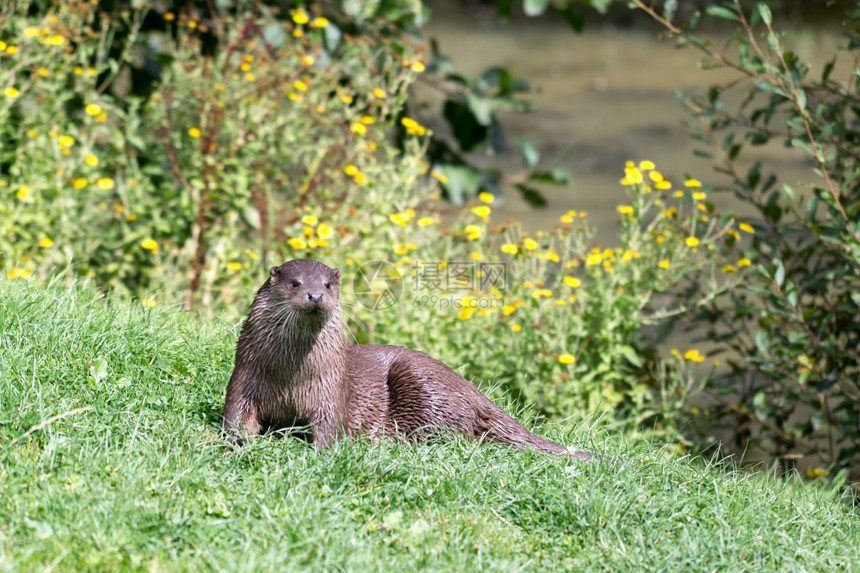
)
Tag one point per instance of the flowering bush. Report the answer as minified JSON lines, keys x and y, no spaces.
{"x":561,"y":324}
{"x":217,"y":168}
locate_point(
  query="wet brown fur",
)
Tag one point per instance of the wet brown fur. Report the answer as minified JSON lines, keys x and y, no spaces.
{"x":294,"y":368}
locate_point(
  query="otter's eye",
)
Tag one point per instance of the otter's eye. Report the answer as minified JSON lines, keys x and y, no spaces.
{"x":296,"y":284}
{"x":328,"y":286}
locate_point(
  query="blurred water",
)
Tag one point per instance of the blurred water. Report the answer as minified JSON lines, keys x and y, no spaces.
{"x":607,"y":96}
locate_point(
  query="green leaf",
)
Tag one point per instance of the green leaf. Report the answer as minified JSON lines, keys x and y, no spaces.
{"x":534,"y":7}
{"x":721,"y":12}
{"x":531,"y":195}
{"x":574,"y":19}
{"x":764,"y":12}
{"x":779,"y":273}
{"x":462,"y":182}
{"x":530,"y":153}
{"x":557,"y":175}
{"x":332,"y":36}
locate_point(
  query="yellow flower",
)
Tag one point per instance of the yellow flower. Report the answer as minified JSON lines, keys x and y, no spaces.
{"x":486,"y":197}
{"x":307,"y":60}
{"x":692,"y":241}
{"x":663,"y":185}
{"x":105,"y":183}
{"x":18,"y":273}
{"x":194,"y":132}
{"x":625,"y":209}
{"x":664,"y":264}
{"x":55,"y":40}
{"x":169,"y":16}
{"x":309,"y":220}
{"x":572,"y":282}
{"x":350,"y":169}
{"x":299,"y":16}
{"x":79,"y":183}
{"x":192,"y":24}
{"x":482,"y":211}
{"x":655,"y":176}
{"x":46,"y":243}
{"x":413,"y":127}
{"x":817,"y":471}
{"x":530,"y":244}
{"x":319,"y":22}
{"x":646,"y":165}
{"x":425,"y":221}
{"x":746,"y":228}
{"x":516,"y":327}
{"x":31,"y":32}
{"x":565,"y":219}
{"x":2,"y":46}
{"x":509,"y":309}
{"x":358,"y":128}
{"x":439,"y":176}
{"x":744,"y":263}
{"x":632,"y":176}
{"x":368,"y":120}
{"x":729,"y":269}
{"x":692,"y":183}
{"x":11,"y":50}
{"x":43,"y":72}
{"x":11,"y":92}
{"x":23,"y":192}
{"x":325,"y":231}
{"x":476,"y":256}
{"x":699,"y":196}
{"x":693,"y":355}
{"x":66,"y":141}
{"x":360,"y":179}
{"x":466,"y":313}
{"x":149,"y":245}
{"x":148,"y":302}
{"x":250,"y":77}
{"x":473,"y":232}
{"x":592,"y":259}
{"x":542,"y":293}
{"x":295,"y":97}
{"x":93,"y":109}
{"x":379,"y":93}
{"x":567,"y":358}
{"x":298,"y":243}
{"x":510,"y":249}
{"x":234,"y":266}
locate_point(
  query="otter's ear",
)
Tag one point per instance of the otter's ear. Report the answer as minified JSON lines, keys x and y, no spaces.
{"x":335,"y":276}
{"x":275,"y":273}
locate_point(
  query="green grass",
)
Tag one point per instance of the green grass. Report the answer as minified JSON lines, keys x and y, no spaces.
{"x":134,"y":476}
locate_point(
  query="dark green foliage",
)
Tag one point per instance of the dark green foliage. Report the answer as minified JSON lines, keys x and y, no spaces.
{"x":793,"y":332}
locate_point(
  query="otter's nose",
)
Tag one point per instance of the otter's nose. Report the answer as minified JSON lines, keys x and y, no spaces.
{"x":315,"y":296}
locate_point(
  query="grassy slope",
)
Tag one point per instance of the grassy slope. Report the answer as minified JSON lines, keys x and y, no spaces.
{"x":142,"y":479}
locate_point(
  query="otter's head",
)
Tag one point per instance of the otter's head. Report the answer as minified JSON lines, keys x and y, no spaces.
{"x":306,"y":286}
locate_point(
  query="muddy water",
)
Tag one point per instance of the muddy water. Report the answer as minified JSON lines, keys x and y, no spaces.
{"x":606,"y":96}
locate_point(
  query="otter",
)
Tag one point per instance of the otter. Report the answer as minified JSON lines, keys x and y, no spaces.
{"x":294,"y":367}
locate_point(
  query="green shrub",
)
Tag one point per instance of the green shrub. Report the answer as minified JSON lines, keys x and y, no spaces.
{"x":794,"y":383}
